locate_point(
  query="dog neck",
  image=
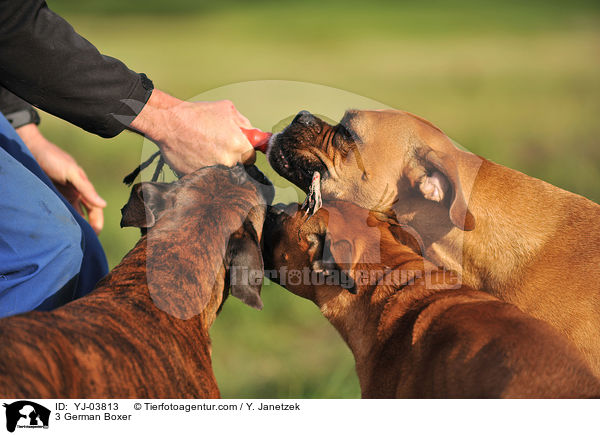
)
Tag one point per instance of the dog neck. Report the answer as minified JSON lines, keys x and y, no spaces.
{"x":508,"y":233}
{"x":129,"y":280}
{"x":363,"y":319}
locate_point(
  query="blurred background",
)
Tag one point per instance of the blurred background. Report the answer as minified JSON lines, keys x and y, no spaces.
{"x":516,"y":82}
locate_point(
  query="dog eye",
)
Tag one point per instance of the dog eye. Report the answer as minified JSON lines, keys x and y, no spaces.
{"x":343,"y":132}
{"x":342,"y":139}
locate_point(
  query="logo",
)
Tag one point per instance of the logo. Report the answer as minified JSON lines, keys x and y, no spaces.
{"x":24,"y":414}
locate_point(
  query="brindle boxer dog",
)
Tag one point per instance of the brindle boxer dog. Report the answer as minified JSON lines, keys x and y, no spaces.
{"x":516,"y":237}
{"x":143,"y":332}
{"x":413,"y":331}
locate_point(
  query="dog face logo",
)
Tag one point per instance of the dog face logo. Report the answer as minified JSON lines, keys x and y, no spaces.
{"x":26,"y":414}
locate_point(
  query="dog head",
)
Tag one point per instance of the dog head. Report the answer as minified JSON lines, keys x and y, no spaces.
{"x":377,"y":159}
{"x":200,"y":231}
{"x":342,"y":248}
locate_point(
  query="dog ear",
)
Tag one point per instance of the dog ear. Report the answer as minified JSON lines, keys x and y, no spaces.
{"x":245,"y":266}
{"x":434,"y":177}
{"x":146,"y":203}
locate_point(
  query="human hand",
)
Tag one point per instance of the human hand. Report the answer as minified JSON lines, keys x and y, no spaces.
{"x":66,"y":174}
{"x":193,"y":135}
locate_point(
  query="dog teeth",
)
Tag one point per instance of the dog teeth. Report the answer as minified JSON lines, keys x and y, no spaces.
{"x":313,"y":201}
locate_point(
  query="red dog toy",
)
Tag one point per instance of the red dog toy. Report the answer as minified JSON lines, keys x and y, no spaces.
{"x":258,"y":138}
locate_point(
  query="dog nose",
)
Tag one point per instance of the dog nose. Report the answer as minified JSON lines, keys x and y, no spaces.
{"x":304,"y":117}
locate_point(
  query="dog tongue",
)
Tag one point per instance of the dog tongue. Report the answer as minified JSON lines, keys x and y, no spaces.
{"x":259,"y":139}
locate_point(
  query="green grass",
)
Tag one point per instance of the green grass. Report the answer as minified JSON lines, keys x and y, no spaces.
{"x":516,"y":82}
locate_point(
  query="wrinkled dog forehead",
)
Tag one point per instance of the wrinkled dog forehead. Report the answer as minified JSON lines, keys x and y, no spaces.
{"x":217,"y":178}
{"x":226,"y":192}
{"x":218,"y":194}
{"x":364,"y":127}
{"x":340,"y":219}
{"x":367,"y":123}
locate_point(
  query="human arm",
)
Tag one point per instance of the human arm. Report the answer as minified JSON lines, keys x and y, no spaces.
{"x":45,"y":62}
{"x":192,"y":135}
{"x":65,"y":75}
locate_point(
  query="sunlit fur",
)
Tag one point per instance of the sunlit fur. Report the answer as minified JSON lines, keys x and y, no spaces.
{"x":528,"y":242}
{"x":428,"y":336}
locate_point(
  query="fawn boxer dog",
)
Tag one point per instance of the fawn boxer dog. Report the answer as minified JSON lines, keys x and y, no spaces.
{"x":516,"y":237}
{"x":143,"y":332}
{"x":413,"y":330}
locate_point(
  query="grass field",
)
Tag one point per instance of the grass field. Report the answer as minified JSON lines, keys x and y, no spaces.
{"x":517,"y":83}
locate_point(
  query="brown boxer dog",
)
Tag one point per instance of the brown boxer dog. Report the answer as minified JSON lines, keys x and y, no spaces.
{"x":413,"y":330}
{"x":143,"y":332}
{"x":516,"y":237}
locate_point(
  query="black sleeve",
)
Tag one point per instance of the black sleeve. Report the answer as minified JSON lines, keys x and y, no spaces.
{"x":18,"y":111}
{"x":45,"y":62}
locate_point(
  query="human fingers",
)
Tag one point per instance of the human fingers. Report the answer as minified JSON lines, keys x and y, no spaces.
{"x":86,"y":189}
